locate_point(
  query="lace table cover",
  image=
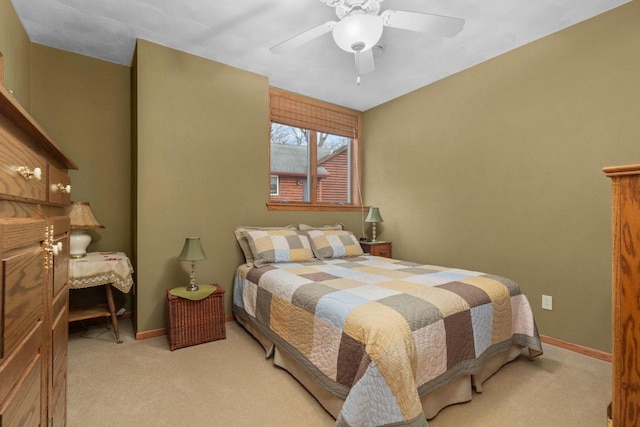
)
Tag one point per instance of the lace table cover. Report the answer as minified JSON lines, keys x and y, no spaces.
{"x":100,"y":268}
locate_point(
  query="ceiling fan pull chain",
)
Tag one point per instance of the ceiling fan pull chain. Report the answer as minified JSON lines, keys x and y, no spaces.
{"x":357,"y":54}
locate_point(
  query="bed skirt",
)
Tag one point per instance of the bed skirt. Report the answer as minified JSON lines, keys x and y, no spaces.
{"x":457,"y":390}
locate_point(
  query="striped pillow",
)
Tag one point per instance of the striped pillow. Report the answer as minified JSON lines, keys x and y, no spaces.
{"x":334,"y":244}
{"x":270,"y":246}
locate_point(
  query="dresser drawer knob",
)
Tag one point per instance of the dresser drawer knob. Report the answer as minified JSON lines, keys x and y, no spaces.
{"x":27,"y":173}
{"x":57,"y":248}
{"x":64,"y":189}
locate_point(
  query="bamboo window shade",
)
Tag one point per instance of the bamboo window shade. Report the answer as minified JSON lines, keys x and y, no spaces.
{"x":292,"y":110}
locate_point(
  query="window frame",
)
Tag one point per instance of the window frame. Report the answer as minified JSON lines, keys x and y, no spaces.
{"x":356,"y":158}
{"x":277,"y":185}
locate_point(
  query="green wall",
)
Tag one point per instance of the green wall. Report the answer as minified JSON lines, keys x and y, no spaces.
{"x":14,"y":47}
{"x":202,"y":170}
{"x":84,"y":104}
{"x":498,"y":168}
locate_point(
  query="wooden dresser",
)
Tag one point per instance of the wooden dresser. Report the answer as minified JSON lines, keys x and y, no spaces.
{"x":34,"y":251}
{"x":625,"y":402}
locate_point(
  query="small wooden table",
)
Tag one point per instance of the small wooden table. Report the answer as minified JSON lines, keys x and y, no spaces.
{"x":108,"y":269}
{"x":382,"y":249}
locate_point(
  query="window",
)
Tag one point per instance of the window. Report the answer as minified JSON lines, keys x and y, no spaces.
{"x":275,"y":185}
{"x":314,"y":155}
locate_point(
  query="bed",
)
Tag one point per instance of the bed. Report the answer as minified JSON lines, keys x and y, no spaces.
{"x":377,"y":341}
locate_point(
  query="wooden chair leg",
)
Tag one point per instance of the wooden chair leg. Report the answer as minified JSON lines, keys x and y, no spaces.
{"x":112,"y":310}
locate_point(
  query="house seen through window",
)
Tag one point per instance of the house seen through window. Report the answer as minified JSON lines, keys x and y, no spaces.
{"x":275,"y":185}
{"x":313,"y":166}
{"x":291,"y":156}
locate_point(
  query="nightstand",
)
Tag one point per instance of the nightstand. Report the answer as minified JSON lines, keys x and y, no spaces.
{"x":108,"y":269}
{"x":382,"y":249}
{"x":196,"y":321}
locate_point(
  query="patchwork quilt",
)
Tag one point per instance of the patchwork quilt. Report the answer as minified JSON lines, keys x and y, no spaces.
{"x":380,"y":332}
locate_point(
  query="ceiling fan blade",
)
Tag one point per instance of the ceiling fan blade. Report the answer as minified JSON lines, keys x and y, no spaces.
{"x":302,"y":38}
{"x":364,"y":62}
{"x":422,"y":22}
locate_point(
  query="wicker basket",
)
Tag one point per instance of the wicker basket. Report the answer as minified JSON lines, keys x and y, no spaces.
{"x":196,"y":322}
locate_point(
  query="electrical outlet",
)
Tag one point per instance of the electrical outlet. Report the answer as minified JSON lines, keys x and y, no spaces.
{"x":547,"y":302}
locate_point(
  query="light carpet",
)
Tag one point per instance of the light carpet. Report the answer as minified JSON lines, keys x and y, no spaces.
{"x":230,"y":383}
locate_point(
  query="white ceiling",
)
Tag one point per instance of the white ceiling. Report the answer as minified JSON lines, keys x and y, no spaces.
{"x":240,"y":32}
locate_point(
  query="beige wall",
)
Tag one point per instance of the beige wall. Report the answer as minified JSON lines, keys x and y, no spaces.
{"x":202,"y":170}
{"x":14,"y":48}
{"x":498,"y":168}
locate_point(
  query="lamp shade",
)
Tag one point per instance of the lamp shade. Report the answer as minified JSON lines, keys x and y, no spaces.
{"x":374,"y":215}
{"x":192,"y":250}
{"x":82,"y":216}
{"x":357,"y":33}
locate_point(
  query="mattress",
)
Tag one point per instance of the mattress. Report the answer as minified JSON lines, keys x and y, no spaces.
{"x":379,"y":335}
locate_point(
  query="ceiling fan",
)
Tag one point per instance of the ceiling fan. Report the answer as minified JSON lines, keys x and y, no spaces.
{"x":360,"y":28}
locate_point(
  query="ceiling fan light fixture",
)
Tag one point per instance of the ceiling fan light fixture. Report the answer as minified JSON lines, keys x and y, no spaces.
{"x":357,"y":33}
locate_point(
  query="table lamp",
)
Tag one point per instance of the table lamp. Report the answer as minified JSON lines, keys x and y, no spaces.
{"x":192,"y":251}
{"x":82,"y":218}
{"x":373,"y":217}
